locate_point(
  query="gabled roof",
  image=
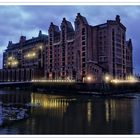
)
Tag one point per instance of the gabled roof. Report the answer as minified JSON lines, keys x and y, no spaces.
{"x":68,"y":25}
{"x":55,"y":27}
{"x":129,"y":43}
{"x":84,"y":20}
{"x":40,"y":38}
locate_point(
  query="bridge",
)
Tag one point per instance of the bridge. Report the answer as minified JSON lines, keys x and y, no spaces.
{"x":67,"y":86}
{"x":39,"y":84}
{"x":16,"y":83}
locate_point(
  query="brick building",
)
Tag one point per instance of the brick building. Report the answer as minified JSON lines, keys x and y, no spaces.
{"x":24,"y":61}
{"x":113,"y":49}
{"x":82,"y":53}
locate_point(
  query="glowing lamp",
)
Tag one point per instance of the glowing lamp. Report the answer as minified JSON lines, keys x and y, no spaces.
{"x":40,"y":47}
{"x":33,"y":54}
{"x":88,"y":78}
{"x":10,"y":58}
{"x":107,"y":78}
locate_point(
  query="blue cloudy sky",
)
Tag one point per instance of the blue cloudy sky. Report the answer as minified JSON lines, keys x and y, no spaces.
{"x":28,"y":20}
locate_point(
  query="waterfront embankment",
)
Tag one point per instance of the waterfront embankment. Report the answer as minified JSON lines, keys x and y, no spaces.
{"x":77,"y":88}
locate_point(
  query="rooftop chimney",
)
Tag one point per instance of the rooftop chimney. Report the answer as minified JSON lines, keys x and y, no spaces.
{"x":78,"y":14}
{"x":22,"y":39}
{"x":117,"y":18}
{"x":10,"y":43}
{"x":40,"y":33}
{"x":51,"y":23}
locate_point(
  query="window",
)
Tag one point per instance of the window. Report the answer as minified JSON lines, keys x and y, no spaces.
{"x":83,"y":48}
{"x":83,"y":43}
{"x":83,"y":59}
{"x":83,"y":31}
{"x":83,"y":37}
{"x":83,"y":64}
{"x":83,"y":53}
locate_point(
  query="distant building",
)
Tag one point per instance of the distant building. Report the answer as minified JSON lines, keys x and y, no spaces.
{"x":84,"y":53}
{"x":129,"y":58}
{"x":24,"y":61}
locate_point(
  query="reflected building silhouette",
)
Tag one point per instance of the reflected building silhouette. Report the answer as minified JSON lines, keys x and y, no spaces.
{"x":20,"y":97}
{"x":55,"y":114}
{"x":136,"y":116}
{"x":61,"y":115}
{"x":113,"y":116}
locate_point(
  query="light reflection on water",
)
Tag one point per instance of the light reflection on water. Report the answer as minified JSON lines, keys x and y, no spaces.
{"x":136,"y":115}
{"x":59,"y":114}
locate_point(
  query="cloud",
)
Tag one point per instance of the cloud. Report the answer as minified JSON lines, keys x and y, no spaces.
{"x":28,"y":20}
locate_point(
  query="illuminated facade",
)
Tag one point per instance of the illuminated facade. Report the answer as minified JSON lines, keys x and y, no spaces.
{"x":88,"y":52}
{"x":24,"y":61}
{"x":84,"y":53}
{"x":113,"y":48}
{"x":70,"y":53}
{"x":114,"y":52}
{"x":60,"y":54}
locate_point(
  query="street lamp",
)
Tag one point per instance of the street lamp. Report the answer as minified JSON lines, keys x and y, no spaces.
{"x":107,"y":78}
{"x":89,"y":78}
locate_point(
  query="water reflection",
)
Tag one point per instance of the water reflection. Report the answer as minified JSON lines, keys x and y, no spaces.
{"x":89,"y":112}
{"x":136,"y":115}
{"x":73,"y":115}
{"x":55,"y":104}
{"x":16,"y":97}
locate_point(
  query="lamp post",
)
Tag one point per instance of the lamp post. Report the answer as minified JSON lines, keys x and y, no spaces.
{"x":107,"y":78}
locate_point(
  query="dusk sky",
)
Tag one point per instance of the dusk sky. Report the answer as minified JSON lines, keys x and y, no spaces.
{"x":28,"y":20}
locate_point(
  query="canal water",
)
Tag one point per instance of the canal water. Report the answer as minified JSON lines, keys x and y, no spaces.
{"x":73,"y":114}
